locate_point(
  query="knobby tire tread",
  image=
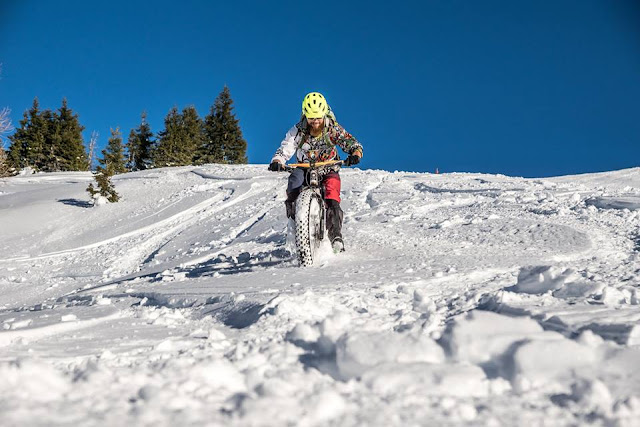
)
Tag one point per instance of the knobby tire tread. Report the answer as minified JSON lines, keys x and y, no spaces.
{"x":304,"y":242}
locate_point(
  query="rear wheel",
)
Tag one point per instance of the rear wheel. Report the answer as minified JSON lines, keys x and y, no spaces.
{"x":309,"y":230}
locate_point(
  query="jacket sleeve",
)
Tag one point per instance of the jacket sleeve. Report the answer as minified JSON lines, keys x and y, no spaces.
{"x":343,"y":139}
{"x":288,"y":147}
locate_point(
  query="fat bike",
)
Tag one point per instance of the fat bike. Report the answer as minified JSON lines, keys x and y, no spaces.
{"x":310,"y":210}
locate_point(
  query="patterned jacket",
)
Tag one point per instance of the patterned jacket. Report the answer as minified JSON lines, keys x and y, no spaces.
{"x":298,"y":141}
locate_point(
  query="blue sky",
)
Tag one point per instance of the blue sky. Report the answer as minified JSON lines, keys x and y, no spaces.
{"x":526,"y":88}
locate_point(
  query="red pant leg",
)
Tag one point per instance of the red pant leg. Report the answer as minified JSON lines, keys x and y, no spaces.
{"x":332,"y":186}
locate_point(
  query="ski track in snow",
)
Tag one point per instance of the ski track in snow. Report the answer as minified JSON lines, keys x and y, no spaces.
{"x":464,"y":299}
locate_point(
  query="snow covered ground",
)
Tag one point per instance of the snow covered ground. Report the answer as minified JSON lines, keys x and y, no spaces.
{"x":462,"y":299}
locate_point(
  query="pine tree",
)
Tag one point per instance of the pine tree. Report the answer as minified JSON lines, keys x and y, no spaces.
{"x":224,"y":142}
{"x":111,"y":163}
{"x":105,"y":186}
{"x":168,"y":149}
{"x":68,"y":149}
{"x":29,"y":142}
{"x":113,"y":158}
{"x":193,"y":130}
{"x":51,"y":143}
{"x":139,"y":146}
{"x":212,"y":150}
{"x":178,"y":142}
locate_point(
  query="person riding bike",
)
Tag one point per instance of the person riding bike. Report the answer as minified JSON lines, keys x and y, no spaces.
{"x":318,"y":131}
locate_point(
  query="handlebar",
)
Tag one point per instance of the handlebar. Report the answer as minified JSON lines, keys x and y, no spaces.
{"x":293,"y":166}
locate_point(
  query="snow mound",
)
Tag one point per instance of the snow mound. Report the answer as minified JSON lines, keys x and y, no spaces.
{"x":428,"y":379}
{"x":550,"y":363}
{"x":481,"y":336}
{"x":357,"y":352}
{"x":32,"y":380}
{"x":541,"y":279}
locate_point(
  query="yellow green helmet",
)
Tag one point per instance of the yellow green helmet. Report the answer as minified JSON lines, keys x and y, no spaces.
{"x":314,"y":106}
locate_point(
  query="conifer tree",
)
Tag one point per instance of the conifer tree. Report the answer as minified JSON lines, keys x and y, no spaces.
{"x":168,"y":149}
{"x":177,"y":143}
{"x":113,"y":157}
{"x":52,"y":160}
{"x":139,"y":146}
{"x":105,"y":186}
{"x":111,"y":163}
{"x":30,"y":140}
{"x":224,"y":142}
{"x":212,"y":150}
{"x":194,"y":131}
{"x":69,"y":150}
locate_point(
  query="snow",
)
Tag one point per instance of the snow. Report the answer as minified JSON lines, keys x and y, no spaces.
{"x":462,"y":299}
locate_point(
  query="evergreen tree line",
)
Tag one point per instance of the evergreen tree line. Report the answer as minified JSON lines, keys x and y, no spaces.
{"x":52,"y":141}
{"x":48,"y":141}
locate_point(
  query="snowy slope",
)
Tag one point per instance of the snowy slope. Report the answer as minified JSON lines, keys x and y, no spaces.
{"x":462,"y":299}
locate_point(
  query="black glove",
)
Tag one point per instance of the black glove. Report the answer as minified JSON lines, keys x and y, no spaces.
{"x":352,"y":160}
{"x":276,"y":166}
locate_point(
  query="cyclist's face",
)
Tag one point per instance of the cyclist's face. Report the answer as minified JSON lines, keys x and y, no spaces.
{"x":316,"y":124}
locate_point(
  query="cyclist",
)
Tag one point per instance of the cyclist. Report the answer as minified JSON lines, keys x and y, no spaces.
{"x":318,"y":130}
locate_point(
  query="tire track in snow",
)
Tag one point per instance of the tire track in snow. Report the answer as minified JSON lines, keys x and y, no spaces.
{"x":33,"y":334}
{"x":131,"y":259}
{"x":200,"y":206}
{"x":229,"y":238}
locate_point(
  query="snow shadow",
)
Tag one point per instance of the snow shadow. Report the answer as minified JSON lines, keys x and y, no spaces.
{"x":242,"y":263}
{"x":319,"y":357}
{"x":76,"y":202}
{"x":631,"y":203}
{"x":424,"y":188}
{"x":619,"y":333}
{"x":207,"y":175}
{"x":232,"y":313}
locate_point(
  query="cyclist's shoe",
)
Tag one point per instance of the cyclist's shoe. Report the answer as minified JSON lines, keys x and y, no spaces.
{"x":337,"y":245}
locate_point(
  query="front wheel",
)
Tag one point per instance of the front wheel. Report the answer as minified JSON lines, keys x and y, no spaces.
{"x":309,"y":226}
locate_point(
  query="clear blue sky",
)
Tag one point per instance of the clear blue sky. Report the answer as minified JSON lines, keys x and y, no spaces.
{"x":527,"y":88}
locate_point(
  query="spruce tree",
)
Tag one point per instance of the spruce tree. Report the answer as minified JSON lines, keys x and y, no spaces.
{"x":105,"y":187}
{"x":193,"y":130}
{"x":168,"y":148}
{"x":224,"y":142}
{"x":52,"y":142}
{"x":111,"y":163}
{"x":212,"y":150}
{"x":69,"y":149}
{"x":29,"y":142}
{"x":177,"y":143}
{"x":113,"y":158}
{"x":139,"y":146}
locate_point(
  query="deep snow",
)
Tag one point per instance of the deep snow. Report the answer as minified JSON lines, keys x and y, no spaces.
{"x":462,"y":299}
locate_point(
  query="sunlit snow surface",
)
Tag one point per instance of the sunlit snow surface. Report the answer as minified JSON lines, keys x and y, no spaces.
{"x":462,"y":299}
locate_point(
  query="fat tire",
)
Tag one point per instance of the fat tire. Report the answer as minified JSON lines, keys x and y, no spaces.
{"x":306,"y":243}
